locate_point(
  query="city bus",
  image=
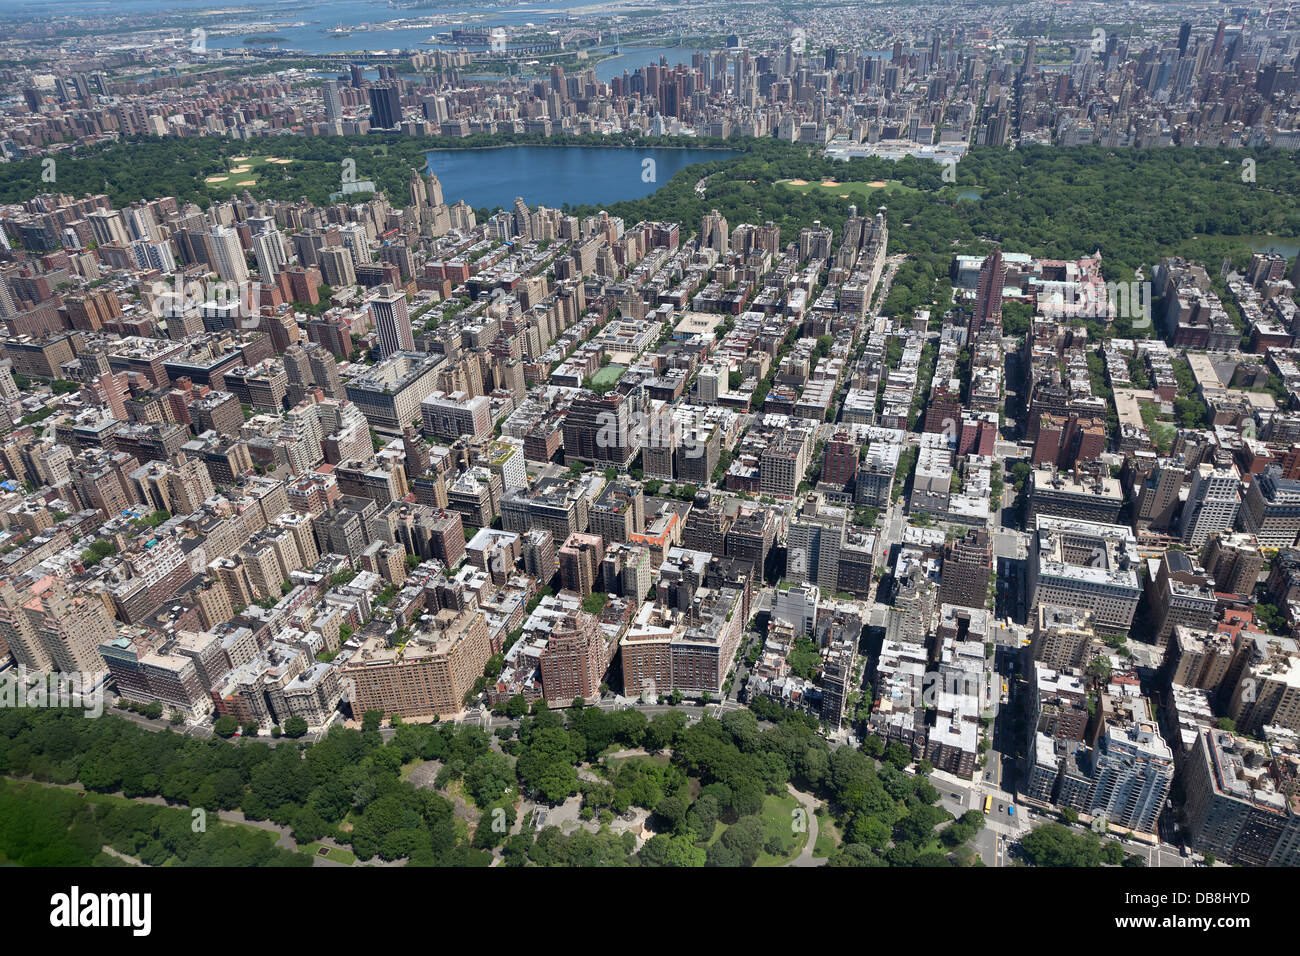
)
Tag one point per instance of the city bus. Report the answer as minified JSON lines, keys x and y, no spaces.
{"x":988,"y":804}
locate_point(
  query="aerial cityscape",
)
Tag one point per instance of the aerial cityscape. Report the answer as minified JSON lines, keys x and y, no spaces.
{"x":584,"y":434}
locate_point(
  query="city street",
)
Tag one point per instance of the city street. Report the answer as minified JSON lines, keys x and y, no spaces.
{"x":957,"y":796}
{"x":1010,"y":556}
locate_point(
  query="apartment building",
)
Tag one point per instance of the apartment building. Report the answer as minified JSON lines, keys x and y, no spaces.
{"x":457,"y":415}
{"x":1212,"y":504}
{"x":1271,"y":511}
{"x":815,"y":539}
{"x":1132,"y":771}
{"x":967,"y":563}
{"x":1241,"y":800}
{"x":579,"y":558}
{"x":1181,"y":594}
{"x":1268,"y":691}
{"x":429,"y":674}
{"x":1073,"y":494}
{"x":1088,"y":566}
{"x":1062,"y":637}
{"x":575,"y":659}
{"x":618,"y":512}
{"x":663,"y":650}
{"x":390,"y":393}
{"x":783,"y":463}
{"x":1234,"y":561}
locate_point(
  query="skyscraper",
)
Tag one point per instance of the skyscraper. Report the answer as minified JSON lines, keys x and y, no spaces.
{"x":227,"y":254}
{"x":385,"y":106}
{"x":337,"y":267}
{"x":1211,"y":504}
{"x":1238,"y":806}
{"x":48,"y":628}
{"x":988,"y":296}
{"x":269,"y":248}
{"x":814,"y":542}
{"x":355,"y":240}
{"x":434,"y":190}
{"x":333,"y":102}
{"x":1271,"y":511}
{"x":392,"y":323}
{"x":579,"y":559}
{"x":522,"y":219}
{"x":597,"y":430}
{"x":107,"y":227}
{"x":1027,"y":67}
{"x":415,"y":192}
{"x":713,"y":232}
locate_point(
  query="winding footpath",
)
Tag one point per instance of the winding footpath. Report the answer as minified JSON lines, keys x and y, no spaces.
{"x":810,"y":805}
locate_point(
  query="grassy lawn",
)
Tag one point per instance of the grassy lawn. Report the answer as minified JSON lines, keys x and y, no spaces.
{"x":828,"y":838}
{"x":410,"y":768}
{"x":614,"y":762}
{"x":337,"y":854}
{"x":240,"y":174}
{"x":778,"y":815}
{"x":607,"y":375}
{"x":1162,"y":430}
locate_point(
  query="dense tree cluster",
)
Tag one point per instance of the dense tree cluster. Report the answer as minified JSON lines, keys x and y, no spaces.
{"x":349,"y":776}
{"x":706,"y":801}
{"x":44,"y":826}
{"x":1055,"y":845}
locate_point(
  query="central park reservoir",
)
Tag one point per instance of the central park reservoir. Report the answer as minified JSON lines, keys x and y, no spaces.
{"x":555,"y":175}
